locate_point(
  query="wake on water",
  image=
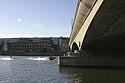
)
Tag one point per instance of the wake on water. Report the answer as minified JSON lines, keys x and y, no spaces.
{"x":29,"y":58}
{"x":38,"y":58}
{"x":5,"y":58}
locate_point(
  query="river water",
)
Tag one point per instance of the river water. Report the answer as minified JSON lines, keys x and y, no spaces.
{"x":31,"y":69}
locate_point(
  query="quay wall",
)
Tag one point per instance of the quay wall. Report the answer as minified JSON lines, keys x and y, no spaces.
{"x":86,"y":59}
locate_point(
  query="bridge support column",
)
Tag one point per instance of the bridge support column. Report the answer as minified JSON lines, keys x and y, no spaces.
{"x":92,"y":58}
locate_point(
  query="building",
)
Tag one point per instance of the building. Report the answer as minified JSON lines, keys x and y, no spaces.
{"x":63,"y":43}
{"x":1,"y":46}
{"x":27,"y":44}
{"x":55,"y":44}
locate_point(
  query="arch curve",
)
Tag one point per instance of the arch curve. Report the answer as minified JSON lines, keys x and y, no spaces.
{"x":75,"y":47}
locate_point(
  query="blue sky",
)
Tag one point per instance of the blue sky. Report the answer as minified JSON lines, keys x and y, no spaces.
{"x":36,"y":18}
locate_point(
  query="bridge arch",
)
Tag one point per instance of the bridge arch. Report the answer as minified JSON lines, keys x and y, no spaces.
{"x":74,"y":47}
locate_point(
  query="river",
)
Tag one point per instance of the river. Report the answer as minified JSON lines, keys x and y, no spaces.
{"x":33,"y":69}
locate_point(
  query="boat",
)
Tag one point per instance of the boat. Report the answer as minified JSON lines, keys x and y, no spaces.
{"x":51,"y":57}
{"x":11,"y":58}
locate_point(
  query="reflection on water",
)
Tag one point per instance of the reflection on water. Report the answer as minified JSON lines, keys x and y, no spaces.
{"x":94,"y":75}
{"x":34,"y":69}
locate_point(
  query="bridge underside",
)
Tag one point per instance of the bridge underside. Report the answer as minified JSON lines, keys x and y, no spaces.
{"x":102,"y":35}
{"x":107,"y":29}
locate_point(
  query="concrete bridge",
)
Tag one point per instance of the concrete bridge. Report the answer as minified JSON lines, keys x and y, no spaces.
{"x":99,"y":26}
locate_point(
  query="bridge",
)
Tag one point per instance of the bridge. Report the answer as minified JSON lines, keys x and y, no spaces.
{"x":98,"y":34}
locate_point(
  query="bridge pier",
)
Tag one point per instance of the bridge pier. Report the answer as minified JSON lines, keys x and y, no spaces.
{"x":93,"y":58}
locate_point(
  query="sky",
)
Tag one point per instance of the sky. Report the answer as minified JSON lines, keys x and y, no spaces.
{"x":36,"y":18}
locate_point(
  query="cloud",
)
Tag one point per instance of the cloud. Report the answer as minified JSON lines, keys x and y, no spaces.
{"x":19,"y":20}
{"x":38,"y":25}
